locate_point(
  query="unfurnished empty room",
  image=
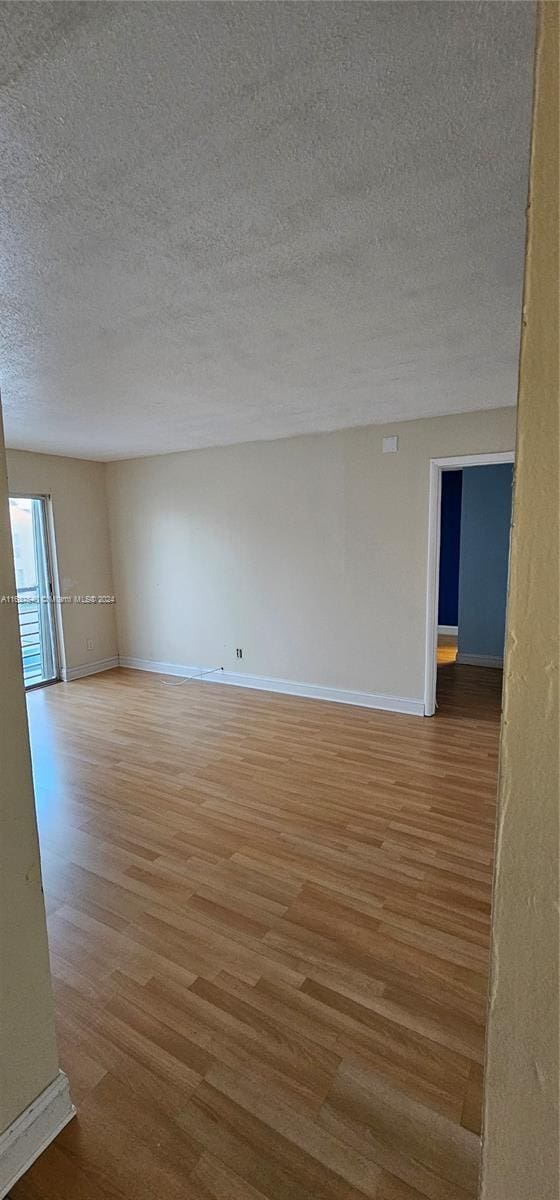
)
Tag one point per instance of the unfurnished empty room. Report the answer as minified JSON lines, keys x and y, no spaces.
{"x":279,"y":600}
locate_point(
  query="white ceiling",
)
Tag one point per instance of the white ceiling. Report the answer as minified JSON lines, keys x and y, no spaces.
{"x":230,"y":221}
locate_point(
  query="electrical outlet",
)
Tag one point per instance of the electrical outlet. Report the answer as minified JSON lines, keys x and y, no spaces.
{"x":90,"y":644}
{"x":239,"y":652}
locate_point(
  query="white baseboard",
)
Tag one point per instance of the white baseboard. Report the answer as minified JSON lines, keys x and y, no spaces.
{"x":92,"y":668}
{"x":480,"y":660}
{"x":449,"y":630}
{"x":26,"y":1138}
{"x":286,"y":686}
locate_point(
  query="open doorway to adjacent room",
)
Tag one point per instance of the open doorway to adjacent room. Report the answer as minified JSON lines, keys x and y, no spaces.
{"x":470,"y":519}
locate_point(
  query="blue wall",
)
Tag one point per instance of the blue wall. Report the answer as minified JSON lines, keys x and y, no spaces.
{"x":451,"y":491}
{"x":483,"y":569}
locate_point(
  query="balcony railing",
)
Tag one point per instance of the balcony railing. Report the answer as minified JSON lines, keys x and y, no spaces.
{"x":30,"y":635}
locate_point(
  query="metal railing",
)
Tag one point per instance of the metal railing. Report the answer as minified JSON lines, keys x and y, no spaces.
{"x":30,"y":635}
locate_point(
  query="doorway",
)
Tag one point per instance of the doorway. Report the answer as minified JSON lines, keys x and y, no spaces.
{"x":466,"y":605}
{"x":34,"y":590}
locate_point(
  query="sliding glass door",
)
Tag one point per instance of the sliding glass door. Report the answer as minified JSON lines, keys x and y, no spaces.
{"x":34,"y":586}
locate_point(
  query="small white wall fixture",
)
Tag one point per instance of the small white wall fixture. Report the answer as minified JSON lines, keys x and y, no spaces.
{"x":437,"y":467}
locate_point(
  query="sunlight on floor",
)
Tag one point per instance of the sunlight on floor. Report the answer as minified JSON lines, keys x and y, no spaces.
{"x":446,"y":648}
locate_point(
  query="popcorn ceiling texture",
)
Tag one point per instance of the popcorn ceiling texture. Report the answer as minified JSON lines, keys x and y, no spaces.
{"x":226,"y":222}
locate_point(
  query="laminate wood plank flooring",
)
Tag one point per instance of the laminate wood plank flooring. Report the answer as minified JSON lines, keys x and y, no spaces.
{"x":269,"y":925}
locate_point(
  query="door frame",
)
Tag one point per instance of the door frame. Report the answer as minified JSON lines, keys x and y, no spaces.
{"x":52,"y":568}
{"x":437,"y":467}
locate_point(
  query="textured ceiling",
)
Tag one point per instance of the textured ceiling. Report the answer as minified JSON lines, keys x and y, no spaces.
{"x":223,"y":222}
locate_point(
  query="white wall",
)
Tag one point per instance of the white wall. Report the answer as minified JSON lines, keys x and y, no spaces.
{"x":521,"y":1151}
{"x":79,"y":505}
{"x":309,"y":553}
{"x":28,"y":1054}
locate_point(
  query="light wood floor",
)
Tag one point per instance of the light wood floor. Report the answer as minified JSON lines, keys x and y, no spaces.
{"x":446,"y":649}
{"x":268,"y":924}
